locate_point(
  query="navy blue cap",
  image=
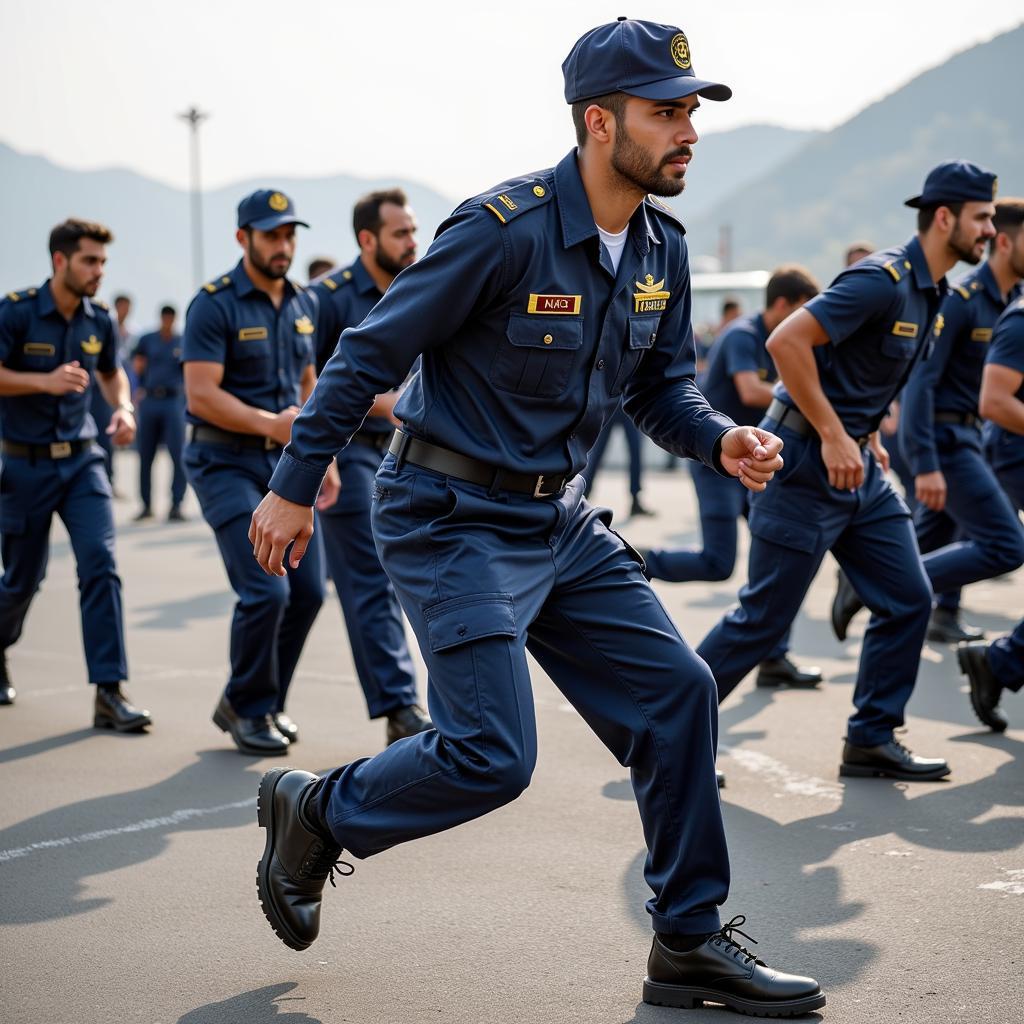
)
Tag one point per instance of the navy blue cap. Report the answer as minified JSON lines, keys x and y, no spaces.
{"x":636,"y":57}
{"x":956,"y":181}
{"x":267,"y":209}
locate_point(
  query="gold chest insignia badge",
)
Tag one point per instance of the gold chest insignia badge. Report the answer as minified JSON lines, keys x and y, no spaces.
{"x":92,"y":346}
{"x":940,"y":322}
{"x":650,"y":296}
{"x":303,"y":325}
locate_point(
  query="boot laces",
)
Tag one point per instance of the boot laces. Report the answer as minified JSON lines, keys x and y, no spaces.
{"x":323,"y":861}
{"x":725,"y":938}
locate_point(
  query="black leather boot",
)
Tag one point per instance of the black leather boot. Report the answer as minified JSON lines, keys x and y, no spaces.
{"x":286,"y":727}
{"x":890,"y":760}
{"x":7,"y":692}
{"x":782,"y":672}
{"x":985,"y":688}
{"x":251,"y":735}
{"x":407,"y":722}
{"x":845,"y":605}
{"x":945,"y":627}
{"x":720,"y":970}
{"x":298,"y":858}
{"x":113,"y":710}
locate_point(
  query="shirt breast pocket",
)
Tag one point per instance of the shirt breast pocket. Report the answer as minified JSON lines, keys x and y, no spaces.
{"x":641,"y":336}
{"x":38,"y":357}
{"x":538,"y":355}
{"x":250,"y":362}
{"x":901,"y":348}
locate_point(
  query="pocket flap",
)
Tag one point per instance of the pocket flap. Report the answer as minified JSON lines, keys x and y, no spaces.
{"x":643,"y":331}
{"x":899,"y":348}
{"x":545,"y":332}
{"x":462,"y":620}
{"x":788,"y":533}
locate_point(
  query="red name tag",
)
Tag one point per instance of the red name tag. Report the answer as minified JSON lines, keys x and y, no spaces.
{"x":567,"y":304}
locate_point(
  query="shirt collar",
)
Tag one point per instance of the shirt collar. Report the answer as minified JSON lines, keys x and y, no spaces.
{"x":988,"y":282}
{"x":919,"y":265}
{"x":244,"y":286}
{"x":45,"y":304}
{"x":361,"y":278}
{"x":576,"y":215}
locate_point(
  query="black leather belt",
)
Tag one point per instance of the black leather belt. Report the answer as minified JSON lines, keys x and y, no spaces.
{"x":56,"y":450}
{"x":228,"y":438}
{"x":372,"y":439}
{"x":796,"y":421}
{"x":162,"y":393}
{"x":443,"y":460}
{"x":961,"y":419}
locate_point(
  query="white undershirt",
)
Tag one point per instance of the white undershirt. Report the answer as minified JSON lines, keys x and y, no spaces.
{"x":614,"y":244}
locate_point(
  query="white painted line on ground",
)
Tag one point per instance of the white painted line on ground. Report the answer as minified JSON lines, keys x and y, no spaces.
{"x":1013,"y":886}
{"x":789,"y":780}
{"x":178,"y":817}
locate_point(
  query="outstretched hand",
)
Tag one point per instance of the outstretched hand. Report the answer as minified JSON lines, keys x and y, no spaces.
{"x":751,"y":455}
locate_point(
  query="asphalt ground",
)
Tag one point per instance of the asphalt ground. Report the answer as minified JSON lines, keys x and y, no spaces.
{"x":127,"y":863}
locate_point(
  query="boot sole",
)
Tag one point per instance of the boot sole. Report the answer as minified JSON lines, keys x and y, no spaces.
{"x":684,"y":997}
{"x":863,"y":771}
{"x":224,"y":725}
{"x":102,"y":722}
{"x":993,"y":724}
{"x":265,"y":818}
{"x":772,"y":682}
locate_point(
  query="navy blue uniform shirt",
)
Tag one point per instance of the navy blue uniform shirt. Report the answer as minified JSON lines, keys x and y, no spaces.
{"x":740,"y":348}
{"x":264,"y":351}
{"x":163,"y":361}
{"x":949,"y":380}
{"x":878,"y":317}
{"x":1007,"y":349}
{"x":346,"y":296}
{"x":35,"y":338}
{"x":529,"y":340}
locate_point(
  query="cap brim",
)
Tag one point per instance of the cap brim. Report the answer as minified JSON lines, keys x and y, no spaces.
{"x":269,"y":223}
{"x":914,"y":202}
{"x":677,"y":88}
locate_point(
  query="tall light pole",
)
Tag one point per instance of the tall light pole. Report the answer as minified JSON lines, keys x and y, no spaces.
{"x":194,"y":116}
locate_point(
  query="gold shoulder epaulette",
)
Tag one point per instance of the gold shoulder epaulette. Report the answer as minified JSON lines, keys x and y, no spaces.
{"x":890,"y":266}
{"x":962,"y":292}
{"x":25,"y":293}
{"x":215,"y":286}
{"x":334,"y":280}
{"x":508,"y":205}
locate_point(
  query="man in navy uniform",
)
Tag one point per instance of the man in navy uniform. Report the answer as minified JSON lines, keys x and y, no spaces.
{"x":842,"y":359}
{"x":385,"y":230}
{"x":967,"y":528}
{"x":157,"y":364}
{"x":531,"y":328}
{"x":992,"y":668}
{"x":58,"y":344}
{"x":738,"y":382}
{"x":248,"y":353}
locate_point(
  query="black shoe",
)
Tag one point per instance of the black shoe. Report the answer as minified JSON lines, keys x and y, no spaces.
{"x":286,"y":727}
{"x":782,"y":672}
{"x":296,"y":861}
{"x":637,"y":509}
{"x":845,"y":605}
{"x":176,"y":515}
{"x":7,"y":692}
{"x":251,"y":735}
{"x":720,"y":970}
{"x":720,"y":776}
{"x":890,"y":760}
{"x":143,"y":514}
{"x":985,"y":688}
{"x":113,"y":710}
{"x":945,"y":627}
{"x":407,"y":722}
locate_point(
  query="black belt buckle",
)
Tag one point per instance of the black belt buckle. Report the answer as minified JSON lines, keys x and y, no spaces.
{"x":538,"y":489}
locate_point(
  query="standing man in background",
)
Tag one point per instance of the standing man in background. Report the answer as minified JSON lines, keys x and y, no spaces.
{"x":385,"y":230}
{"x":98,"y":408}
{"x":157,"y":364}
{"x":57,"y":347}
{"x":248,"y":355}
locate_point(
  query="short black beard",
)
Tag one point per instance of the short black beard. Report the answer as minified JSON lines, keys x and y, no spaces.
{"x":963,"y":251}
{"x":634,"y":164}
{"x":390,"y":267}
{"x":265,"y":268}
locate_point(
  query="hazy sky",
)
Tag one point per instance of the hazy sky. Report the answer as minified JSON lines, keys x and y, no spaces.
{"x":456,"y":94}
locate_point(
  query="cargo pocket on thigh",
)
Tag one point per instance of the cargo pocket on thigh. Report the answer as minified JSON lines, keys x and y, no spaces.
{"x":787,"y":533}
{"x":461,"y":620}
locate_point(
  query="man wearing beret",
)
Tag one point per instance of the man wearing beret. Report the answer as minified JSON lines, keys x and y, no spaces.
{"x":248,"y":356}
{"x":842,"y":360}
{"x":540,"y":305}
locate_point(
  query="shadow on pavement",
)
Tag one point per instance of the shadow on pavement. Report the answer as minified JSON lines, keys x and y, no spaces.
{"x":178,"y":614}
{"x":65,"y":739}
{"x":45,"y":861}
{"x":260,"y":1006}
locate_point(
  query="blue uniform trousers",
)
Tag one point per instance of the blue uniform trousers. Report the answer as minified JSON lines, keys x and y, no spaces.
{"x":373,"y":616}
{"x":792,"y":524}
{"x":101,"y":413}
{"x":161,"y":421}
{"x":1006,"y":655}
{"x":273,"y":614}
{"x":979,"y":534}
{"x":77,"y":490}
{"x":722,"y":501}
{"x":632,"y":435}
{"x":484,"y":579}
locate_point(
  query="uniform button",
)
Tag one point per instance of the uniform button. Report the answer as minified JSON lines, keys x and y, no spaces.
{"x":538,"y":191}
{"x":654,"y":334}
{"x":548,"y":339}
{"x":462,"y":631}
{"x":600,"y":364}
{"x":572,"y":436}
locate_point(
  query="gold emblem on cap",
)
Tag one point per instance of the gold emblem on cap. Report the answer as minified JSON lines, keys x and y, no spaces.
{"x":995,"y":188}
{"x":277,"y":202}
{"x":680,"y":50}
